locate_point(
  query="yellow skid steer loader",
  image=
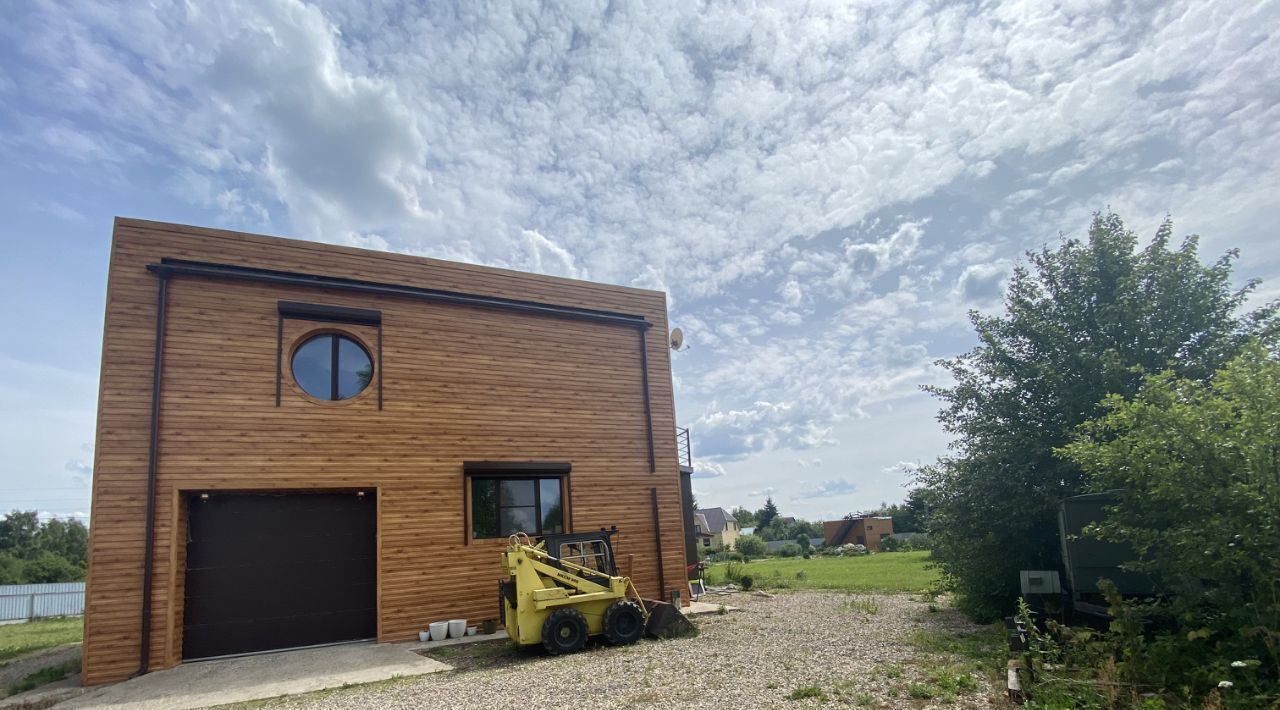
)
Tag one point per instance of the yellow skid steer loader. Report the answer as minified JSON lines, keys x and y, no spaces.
{"x":562,"y":590}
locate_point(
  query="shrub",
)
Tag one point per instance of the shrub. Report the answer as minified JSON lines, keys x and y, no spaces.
{"x":733,"y":572}
{"x":790,"y":550}
{"x":750,"y":546}
{"x":915,"y":542}
{"x":746,"y":582}
{"x":1197,"y":467}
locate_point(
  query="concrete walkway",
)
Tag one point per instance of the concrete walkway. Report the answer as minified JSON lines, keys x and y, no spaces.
{"x":234,"y":680}
{"x":203,"y":684}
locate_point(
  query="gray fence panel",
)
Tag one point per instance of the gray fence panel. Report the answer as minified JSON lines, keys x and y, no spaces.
{"x":20,"y":602}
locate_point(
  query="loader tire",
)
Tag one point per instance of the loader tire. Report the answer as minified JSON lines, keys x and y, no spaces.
{"x":623,"y":623}
{"x":564,"y":631}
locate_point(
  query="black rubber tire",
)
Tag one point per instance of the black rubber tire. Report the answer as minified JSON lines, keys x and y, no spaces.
{"x":564,"y":631}
{"x":623,"y":623}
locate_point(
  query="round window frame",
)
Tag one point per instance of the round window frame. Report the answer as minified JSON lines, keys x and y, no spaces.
{"x":310,"y":335}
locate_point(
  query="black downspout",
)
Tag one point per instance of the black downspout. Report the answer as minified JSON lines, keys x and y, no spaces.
{"x":657,"y":542}
{"x":644,"y":379}
{"x":156,"y":372}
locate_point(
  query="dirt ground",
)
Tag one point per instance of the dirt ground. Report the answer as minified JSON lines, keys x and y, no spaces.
{"x":803,"y":649}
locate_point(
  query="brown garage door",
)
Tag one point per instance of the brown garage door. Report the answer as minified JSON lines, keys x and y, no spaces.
{"x":279,"y":571}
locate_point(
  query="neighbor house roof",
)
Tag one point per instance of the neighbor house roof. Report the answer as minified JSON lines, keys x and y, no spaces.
{"x":716,"y":518}
{"x":700,"y":524}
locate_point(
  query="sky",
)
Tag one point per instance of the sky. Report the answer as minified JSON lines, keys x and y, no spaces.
{"x":824,"y":190}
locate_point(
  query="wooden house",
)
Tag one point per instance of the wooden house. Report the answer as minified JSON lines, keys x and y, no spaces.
{"x":300,"y":443}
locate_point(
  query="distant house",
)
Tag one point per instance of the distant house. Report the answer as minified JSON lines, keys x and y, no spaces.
{"x":715,"y":527}
{"x":700,"y":527}
{"x":867,"y":530}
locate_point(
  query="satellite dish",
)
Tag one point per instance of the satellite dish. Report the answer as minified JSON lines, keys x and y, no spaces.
{"x":677,"y":338}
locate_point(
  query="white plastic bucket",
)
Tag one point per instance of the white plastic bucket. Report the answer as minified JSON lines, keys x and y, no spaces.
{"x":424,"y":636}
{"x":457,"y":628}
{"x":439,"y":630}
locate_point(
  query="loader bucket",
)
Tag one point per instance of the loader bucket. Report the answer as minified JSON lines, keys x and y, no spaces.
{"x":665,"y":620}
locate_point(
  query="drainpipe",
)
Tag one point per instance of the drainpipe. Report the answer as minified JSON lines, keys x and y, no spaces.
{"x":157,"y":369}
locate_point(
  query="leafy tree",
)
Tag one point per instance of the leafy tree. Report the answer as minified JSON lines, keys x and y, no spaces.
{"x":767,"y":514}
{"x":909,"y":516}
{"x":48,"y":567}
{"x":750,"y":546}
{"x":745,"y":518}
{"x":11,"y":569}
{"x":68,"y":539}
{"x":1199,"y":469}
{"x":18,"y":533}
{"x":803,"y":541}
{"x":32,"y":552}
{"x":1084,"y":320}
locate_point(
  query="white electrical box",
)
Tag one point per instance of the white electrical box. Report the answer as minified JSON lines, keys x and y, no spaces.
{"x":1040,"y":581}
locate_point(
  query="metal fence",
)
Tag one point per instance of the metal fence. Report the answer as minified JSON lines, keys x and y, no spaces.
{"x":20,"y":602}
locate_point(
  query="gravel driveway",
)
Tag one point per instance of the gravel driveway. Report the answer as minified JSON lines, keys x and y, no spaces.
{"x":852,"y":650}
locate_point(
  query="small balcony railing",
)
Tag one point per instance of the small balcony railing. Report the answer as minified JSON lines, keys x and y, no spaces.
{"x":683,"y":450}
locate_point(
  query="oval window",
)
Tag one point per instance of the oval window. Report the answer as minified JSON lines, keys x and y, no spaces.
{"x":332,"y":367}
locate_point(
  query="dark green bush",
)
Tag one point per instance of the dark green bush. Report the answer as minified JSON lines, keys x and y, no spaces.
{"x":750,"y":546}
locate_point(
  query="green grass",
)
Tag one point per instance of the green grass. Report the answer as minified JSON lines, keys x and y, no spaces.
{"x":866,"y":605}
{"x":45,"y":676}
{"x":883,"y":572}
{"x":983,"y":651}
{"x":986,"y":645}
{"x":807,"y":692}
{"x":21,"y":639}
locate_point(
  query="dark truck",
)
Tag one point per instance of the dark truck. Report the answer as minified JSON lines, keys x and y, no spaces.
{"x":1086,"y":560}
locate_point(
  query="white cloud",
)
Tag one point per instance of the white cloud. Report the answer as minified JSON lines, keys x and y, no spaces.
{"x":826,"y":489}
{"x":703,"y":468}
{"x":822,"y":188}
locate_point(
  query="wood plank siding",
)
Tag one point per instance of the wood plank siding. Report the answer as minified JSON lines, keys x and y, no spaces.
{"x":458,"y":383}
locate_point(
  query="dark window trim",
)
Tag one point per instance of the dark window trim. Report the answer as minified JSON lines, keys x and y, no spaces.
{"x":534,"y":467}
{"x":531,"y":471}
{"x":328,"y":314}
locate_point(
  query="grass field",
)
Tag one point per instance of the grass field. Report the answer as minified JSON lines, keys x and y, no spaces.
{"x":883,"y":572}
{"x":20,"y":639}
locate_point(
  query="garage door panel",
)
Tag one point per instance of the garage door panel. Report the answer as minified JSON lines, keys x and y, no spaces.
{"x":277,"y":571}
{"x":222,"y":603}
{"x":304,"y":630}
{"x":230,"y":579}
{"x":226,"y":549}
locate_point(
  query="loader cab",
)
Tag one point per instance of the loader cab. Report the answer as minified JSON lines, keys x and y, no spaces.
{"x":593,"y":550}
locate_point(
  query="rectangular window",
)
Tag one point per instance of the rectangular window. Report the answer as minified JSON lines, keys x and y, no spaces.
{"x":505,"y":506}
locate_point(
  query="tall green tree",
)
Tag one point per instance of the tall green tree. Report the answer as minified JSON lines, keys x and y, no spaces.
{"x":766,"y":514}
{"x":746,"y":518}
{"x":67,"y":539}
{"x":1198,"y":467}
{"x":1089,"y":318}
{"x":909,"y":516}
{"x":18,"y":533}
